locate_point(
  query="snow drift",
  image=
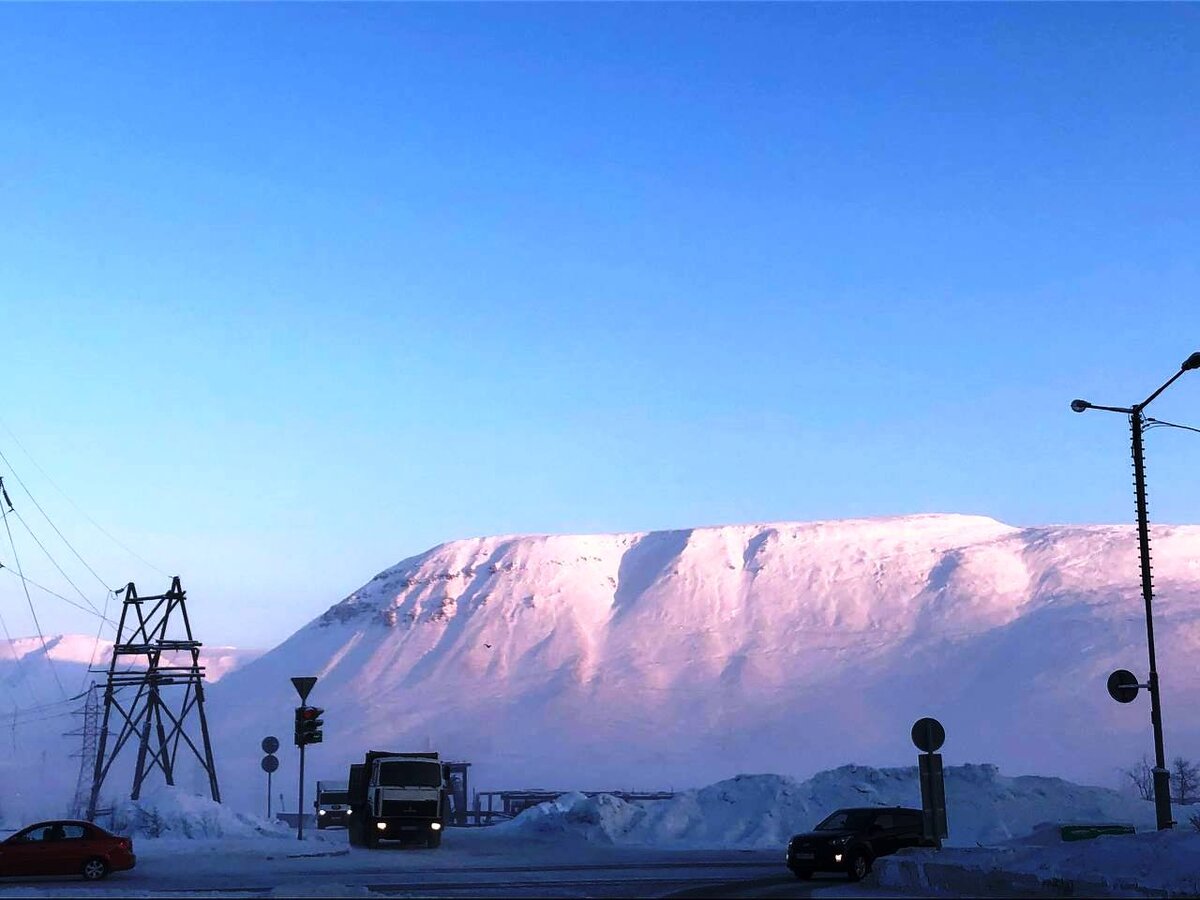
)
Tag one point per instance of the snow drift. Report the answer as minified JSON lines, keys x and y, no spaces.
{"x":763,"y":811}
{"x":171,"y":813}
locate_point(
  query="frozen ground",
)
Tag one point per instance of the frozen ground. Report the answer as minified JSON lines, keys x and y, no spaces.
{"x":732,"y":831}
{"x":1122,"y":864}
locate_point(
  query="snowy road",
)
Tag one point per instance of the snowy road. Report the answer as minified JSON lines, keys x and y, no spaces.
{"x":470,"y":864}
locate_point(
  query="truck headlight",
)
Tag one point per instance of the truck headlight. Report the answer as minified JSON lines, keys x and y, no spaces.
{"x":381,"y":825}
{"x":321,"y":812}
{"x":436,"y":826}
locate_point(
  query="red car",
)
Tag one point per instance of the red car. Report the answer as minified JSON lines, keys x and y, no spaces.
{"x":65,"y":847}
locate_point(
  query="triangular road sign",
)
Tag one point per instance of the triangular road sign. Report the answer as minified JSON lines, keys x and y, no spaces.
{"x":304,"y":685}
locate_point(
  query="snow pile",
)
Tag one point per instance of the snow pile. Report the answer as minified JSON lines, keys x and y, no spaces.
{"x":763,"y":811}
{"x":171,"y":813}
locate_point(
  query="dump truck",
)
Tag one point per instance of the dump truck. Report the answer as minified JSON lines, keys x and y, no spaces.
{"x":332,"y":804}
{"x":397,"y":797}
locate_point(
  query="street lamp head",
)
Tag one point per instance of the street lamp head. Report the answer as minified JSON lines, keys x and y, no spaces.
{"x":1080,"y":405}
{"x":1192,"y":362}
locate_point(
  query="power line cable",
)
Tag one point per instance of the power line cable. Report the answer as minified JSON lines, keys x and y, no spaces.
{"x":39,"y":708}
{"x":76,"y":506}
{"x":54,"y":562}
{"x":28,"y":599}
{"x":33,"y":499}
{"x":21,"y":674}
{"x":96,"y":643}
{"x":1150,"y":423}
{"x":90,"y":609}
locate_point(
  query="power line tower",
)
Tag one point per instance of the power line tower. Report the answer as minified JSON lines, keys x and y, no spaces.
{"x":87,"y":731}
{"x":136,"y":695}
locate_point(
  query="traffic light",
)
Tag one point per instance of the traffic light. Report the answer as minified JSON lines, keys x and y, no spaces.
{"x":308,"y":725}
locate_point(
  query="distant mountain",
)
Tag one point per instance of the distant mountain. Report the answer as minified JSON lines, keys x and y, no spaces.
{"x":678,"y":658}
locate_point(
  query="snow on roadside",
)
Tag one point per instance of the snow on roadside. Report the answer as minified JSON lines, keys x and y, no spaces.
{"x":170,"y":813}
{"x":762,"y":811}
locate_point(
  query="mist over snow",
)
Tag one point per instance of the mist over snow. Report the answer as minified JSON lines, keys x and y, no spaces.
{"x":37,"y":758}
{"x":680,"y":658}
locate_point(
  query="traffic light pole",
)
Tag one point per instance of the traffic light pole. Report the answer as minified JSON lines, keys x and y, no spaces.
{"x":300,"y":817}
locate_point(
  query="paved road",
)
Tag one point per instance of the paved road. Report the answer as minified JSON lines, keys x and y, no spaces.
{"x":468,"y":865}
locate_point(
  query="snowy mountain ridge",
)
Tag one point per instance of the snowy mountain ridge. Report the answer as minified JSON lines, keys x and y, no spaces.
{"x":665,"y":658}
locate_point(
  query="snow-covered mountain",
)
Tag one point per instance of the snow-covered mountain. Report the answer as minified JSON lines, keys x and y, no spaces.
{"x":678,"y":658}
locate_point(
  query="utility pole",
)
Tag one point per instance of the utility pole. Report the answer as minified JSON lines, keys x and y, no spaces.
{"x":1162,"y":778}
{"x":1122,"y":684}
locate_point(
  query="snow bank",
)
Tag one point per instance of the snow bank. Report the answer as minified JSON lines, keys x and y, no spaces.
{"x":763,"y":811}
{"x":171,"y":813}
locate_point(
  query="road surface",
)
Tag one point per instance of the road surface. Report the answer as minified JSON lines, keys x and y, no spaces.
{"x":471,"y":863}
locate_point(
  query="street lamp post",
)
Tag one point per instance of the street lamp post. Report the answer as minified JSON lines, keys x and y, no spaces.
{"x":1162,"y":779}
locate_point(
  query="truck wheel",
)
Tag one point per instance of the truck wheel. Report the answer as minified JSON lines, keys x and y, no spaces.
{"x":370,"y":835}
{"x":434,"y":840}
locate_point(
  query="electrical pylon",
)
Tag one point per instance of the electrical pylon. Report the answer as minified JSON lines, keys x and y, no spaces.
{"x":148,"y":716}
{"x":87,"y":753}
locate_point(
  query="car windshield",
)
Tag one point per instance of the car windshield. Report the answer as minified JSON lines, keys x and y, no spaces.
{"x":847,"y":820}
{"x":333,"y":797}
{"x":410,"y":774}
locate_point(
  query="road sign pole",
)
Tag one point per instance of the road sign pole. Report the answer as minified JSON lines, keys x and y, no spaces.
{"x":268,"y":796}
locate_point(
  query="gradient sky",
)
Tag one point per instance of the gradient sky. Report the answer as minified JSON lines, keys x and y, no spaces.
{"x":292,"y":292}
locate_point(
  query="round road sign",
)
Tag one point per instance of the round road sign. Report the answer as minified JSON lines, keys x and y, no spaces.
{"x":270,"y":763}
{"x":270,"y":744}
{"x":1122,"y":686}
{"x":928,"y":734}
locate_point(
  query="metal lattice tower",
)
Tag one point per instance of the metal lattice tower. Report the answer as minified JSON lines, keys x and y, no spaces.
{"x":137,"y":696}
{"x":87,"y":752}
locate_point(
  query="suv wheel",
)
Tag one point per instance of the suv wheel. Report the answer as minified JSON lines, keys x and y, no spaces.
{"x":860,"y":865}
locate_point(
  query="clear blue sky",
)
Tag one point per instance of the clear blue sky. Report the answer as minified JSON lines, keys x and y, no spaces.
{"x":291,"y":292}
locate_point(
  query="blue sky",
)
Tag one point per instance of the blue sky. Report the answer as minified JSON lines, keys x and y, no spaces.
{"x":292,"y":292}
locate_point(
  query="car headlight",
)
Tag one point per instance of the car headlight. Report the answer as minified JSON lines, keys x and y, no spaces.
{"x":436,"y":826}
{"x":321,"y":812}
{"x":381,"y":825}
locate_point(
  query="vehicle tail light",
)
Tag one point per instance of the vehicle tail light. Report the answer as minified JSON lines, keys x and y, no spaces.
{"x":125,"y":844}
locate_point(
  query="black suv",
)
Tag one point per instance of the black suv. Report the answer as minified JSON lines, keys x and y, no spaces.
{"x":850,"y":839}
